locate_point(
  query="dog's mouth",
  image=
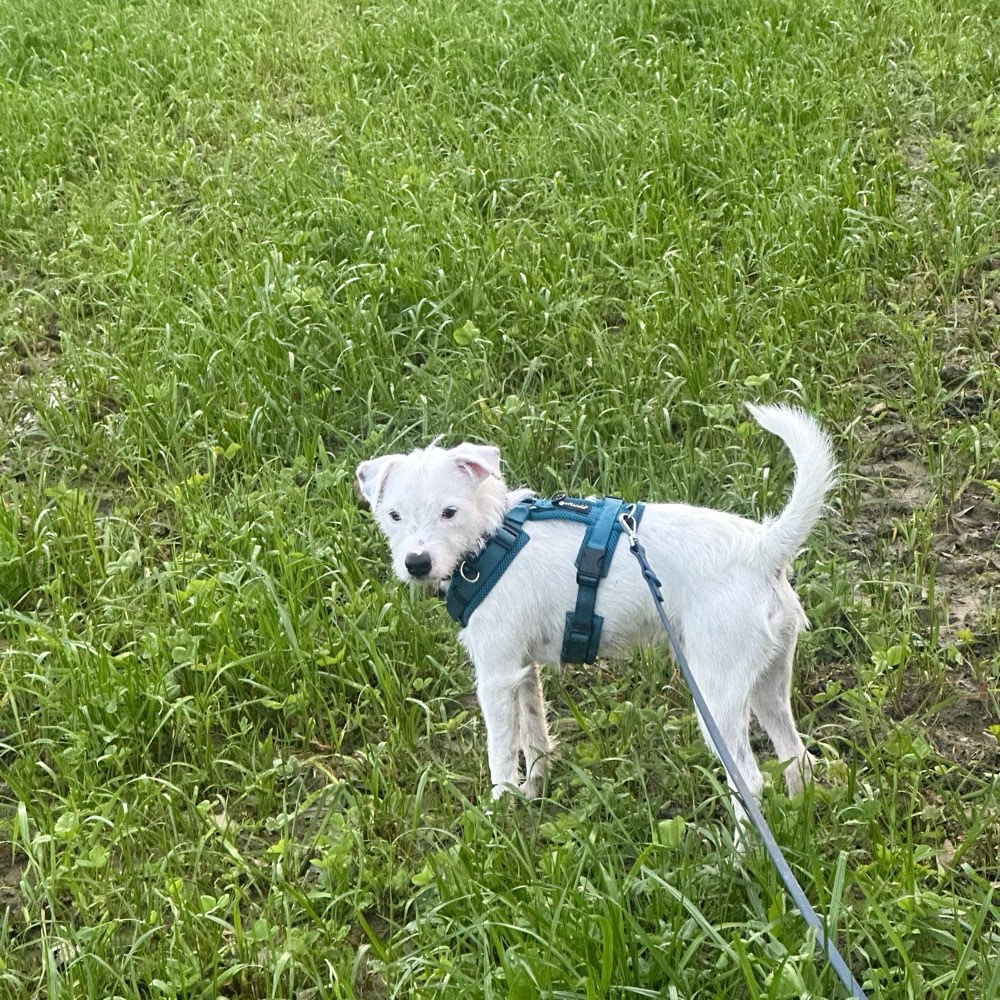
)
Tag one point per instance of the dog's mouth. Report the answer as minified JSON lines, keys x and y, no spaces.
{"x":430,"y":581}
{"x":428,"y":587}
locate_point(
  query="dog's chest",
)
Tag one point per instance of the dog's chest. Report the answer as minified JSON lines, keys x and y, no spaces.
{"x":603,"y":520}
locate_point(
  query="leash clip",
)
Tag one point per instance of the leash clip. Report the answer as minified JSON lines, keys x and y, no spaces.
{"x":627,"y":520}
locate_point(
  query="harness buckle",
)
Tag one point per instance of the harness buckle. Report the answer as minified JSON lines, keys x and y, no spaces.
{"x":590,"y":565}
{"x":506,"y":536}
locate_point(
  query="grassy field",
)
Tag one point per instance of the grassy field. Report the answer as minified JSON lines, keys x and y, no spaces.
{"x":244,"y":245}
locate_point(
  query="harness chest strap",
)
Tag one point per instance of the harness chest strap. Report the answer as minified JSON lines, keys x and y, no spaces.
{"x":476,"y":576}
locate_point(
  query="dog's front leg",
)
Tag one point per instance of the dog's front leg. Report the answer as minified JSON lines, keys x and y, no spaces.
{"x":497,"y":690}
{"x":536,"y":744}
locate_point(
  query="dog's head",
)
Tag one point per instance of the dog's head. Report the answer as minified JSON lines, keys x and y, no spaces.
{"x":434,"y":506}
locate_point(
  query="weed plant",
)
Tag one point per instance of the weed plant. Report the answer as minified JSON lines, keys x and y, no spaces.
{"x":244,"y":245}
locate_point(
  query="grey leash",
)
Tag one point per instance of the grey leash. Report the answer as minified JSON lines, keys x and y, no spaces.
{"x":746,"y":798}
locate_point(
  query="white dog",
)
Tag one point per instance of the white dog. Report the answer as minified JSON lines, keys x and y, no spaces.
{"x":724,"y":580}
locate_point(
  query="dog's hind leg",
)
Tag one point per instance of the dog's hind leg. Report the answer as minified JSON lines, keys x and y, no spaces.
{"x":733,"y":723}
{"x":723,"y":681}
{"x":536,"y":744}
{"x":770,"y":701}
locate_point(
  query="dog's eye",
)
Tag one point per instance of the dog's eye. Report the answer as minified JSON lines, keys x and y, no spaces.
{"x":449,"y":512}
{"x":394,"y":515}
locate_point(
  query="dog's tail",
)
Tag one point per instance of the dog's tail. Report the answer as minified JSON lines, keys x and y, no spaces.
{"x":815,"y":474}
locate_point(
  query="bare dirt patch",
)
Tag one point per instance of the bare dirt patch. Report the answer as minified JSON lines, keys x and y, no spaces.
{"x":12,"y":871}
{"x":959,"y":729}
{"x":895,"y":489}
{"x":904,"y":515}
{"x":892,"y":488}
{"x":968,"y":559}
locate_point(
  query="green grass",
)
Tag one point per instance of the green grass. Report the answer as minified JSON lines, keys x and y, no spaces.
{"x":244,"y":245}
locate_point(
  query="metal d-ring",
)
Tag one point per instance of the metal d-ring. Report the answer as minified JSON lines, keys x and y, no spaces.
{"x":467,"y":579}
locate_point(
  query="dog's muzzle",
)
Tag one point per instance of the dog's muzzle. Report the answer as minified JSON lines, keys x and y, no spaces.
{"x":418,"y":565}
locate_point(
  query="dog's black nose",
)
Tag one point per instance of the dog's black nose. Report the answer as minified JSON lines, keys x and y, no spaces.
{"x":418,"y":564}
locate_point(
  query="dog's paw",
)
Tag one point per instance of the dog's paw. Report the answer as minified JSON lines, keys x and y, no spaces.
{"x":499,"y":791}
{"x":531,"y":788}
{"x":798,"y":774}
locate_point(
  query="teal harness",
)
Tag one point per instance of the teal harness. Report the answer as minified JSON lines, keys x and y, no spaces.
{"x":476,"y":575}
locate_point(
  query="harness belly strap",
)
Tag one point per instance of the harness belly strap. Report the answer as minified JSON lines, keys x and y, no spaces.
{"x":583,"y":627}
{"x":476,"y":575}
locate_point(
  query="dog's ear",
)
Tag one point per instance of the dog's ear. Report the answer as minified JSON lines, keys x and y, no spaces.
{"x":480,"y":461}
{"x":370,"y":477}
